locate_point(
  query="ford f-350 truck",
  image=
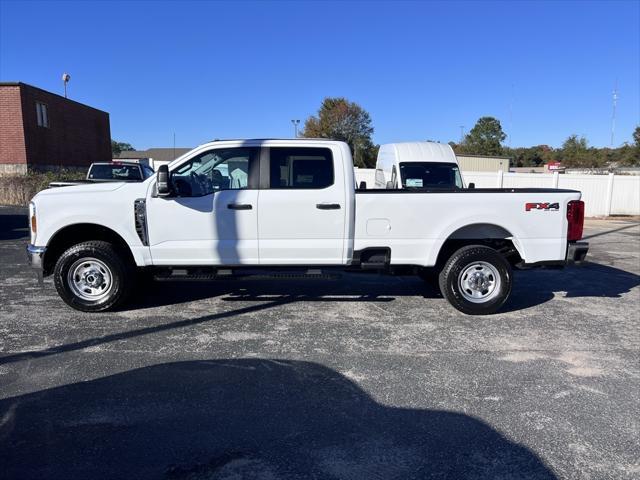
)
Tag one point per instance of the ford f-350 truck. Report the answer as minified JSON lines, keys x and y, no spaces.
{"x":292,"y":204}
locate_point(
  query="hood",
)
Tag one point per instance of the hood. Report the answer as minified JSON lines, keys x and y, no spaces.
{"x":86,"y":188}
{"x":75,"y":189}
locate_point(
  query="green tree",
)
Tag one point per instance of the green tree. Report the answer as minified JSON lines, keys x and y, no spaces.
{"x":527,"y":156}
{"x":340,"y":119}
{"x":485,"y":138}
{"x":629,"y":155}
{"x":117,"y":147}
{"x":575,"y":153}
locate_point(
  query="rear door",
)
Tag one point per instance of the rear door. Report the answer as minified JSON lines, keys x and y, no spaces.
{"x":301,"y":206}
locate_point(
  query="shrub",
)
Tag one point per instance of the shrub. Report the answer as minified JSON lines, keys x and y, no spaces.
{"x":19,"y":189}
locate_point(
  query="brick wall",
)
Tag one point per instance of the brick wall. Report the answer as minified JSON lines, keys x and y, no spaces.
{"x":78,"y":135}
{"x":12,"y":147}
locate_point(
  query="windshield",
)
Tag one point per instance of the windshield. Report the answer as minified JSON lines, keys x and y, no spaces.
{"x":114,"y":172}
{"x":430,"y":175}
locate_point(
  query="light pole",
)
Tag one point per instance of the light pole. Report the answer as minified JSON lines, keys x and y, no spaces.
{"x":461,"y":133}
{"x":65,"y":79}
{"x":295,"y":127}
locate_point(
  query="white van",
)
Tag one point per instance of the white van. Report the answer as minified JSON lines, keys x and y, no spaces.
{"x":417,"y":165}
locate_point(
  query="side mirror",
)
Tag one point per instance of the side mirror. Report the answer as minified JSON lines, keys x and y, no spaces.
{"x":162,"y":182}
{"x":363,"y":185}
{"x":472,"y":186}
{"x":389,"y":185}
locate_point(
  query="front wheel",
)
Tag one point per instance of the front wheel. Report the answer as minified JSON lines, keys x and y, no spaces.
{"x":476,"y":280}
{"x":92,"y":277}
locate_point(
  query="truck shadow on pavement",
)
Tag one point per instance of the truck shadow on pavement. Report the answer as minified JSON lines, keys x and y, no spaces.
{"x":14,"y":227}
{"x":348,"y":288}
{"x":535,"y":287}
{"x":245,"y":419}
{"x":531,"y":288}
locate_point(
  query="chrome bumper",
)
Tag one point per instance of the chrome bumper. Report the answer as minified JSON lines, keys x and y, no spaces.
{"x":35,"y":255}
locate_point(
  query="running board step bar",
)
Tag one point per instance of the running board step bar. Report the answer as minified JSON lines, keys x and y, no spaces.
{"x":208,"y":274}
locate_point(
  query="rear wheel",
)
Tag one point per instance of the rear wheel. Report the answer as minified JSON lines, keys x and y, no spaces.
{"x":476,"y":280}
{"x":92,"y":276}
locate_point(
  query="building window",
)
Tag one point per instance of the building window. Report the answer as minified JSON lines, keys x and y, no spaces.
{"x":42,"y":114}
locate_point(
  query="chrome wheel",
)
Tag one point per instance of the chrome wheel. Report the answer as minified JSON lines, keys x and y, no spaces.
{"x":90,"y":279}
{"x":479,"y":282}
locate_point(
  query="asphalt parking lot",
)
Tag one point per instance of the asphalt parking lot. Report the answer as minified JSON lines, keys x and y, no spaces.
{"x":366,"y":377}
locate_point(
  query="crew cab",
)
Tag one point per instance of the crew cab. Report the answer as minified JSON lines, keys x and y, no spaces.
{"x":110,"y":172}
{"x":239,"y":205}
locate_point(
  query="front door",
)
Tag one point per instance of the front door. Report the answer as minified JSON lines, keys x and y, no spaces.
{"x":212,"y":216}
{"x":302,"y":210}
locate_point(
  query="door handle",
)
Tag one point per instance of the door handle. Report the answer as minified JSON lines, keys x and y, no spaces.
{"x":239,"y":206}
{"x":328,"y":206}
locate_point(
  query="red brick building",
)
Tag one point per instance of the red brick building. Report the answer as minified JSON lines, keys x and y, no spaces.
{"x":40,"y":130}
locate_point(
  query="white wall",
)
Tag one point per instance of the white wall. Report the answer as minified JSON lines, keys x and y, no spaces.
{"x":479,"y":163}
{"x":602,"y":194}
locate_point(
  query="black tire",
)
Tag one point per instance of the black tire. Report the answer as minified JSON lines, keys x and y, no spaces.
{"x":469,"y":259}
{"x":103,"y":259}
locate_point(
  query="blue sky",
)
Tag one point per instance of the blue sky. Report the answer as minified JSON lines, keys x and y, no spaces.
{"x":209,"y":70}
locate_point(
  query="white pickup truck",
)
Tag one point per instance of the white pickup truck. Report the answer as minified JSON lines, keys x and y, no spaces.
{"x":231,"y":206}
{"x":110,"y":172}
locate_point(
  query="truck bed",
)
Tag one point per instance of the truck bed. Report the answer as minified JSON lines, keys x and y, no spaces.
{"x":415,"y":222}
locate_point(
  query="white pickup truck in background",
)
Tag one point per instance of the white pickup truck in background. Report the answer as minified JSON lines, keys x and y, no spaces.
{"x":110,"y":172}
{"x":292,"y":204}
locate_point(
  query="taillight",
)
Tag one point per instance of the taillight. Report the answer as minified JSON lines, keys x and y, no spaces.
{"x":575,"y":217}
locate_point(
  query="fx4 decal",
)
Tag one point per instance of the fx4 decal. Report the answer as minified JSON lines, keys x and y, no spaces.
{"x":541,"y":206}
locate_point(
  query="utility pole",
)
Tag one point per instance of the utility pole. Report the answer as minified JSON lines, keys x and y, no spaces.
{"x":295,"y":127}
{"x":461,"y":133}
{"x":613,"y":115}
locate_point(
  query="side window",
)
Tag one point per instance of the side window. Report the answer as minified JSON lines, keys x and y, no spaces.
{"x":459,"y":183}
{"x":148,"y":171}
{"x":221,"y":169}
{"x":301,"y":167}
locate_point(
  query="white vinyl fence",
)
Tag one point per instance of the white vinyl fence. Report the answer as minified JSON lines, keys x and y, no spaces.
{"x":603,"y":195}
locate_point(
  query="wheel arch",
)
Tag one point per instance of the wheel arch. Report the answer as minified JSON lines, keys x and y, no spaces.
{"x":480,"y":233}
{"x":73,"y":234}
